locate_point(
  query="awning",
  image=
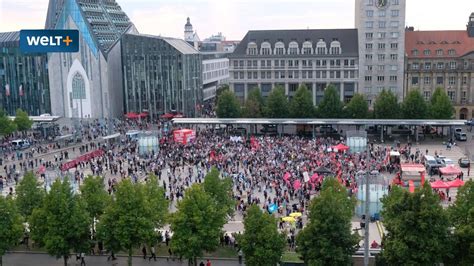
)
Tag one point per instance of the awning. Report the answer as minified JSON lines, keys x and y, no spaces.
{"x":439,"y":184}
{"x":450,"y":170}
{"x":132,"y":115}
{"x":341,"y":147}
{"x":456,"y":183}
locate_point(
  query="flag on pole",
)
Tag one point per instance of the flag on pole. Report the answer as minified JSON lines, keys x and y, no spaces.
{"x":20,"y":89}
{"x":7,"y":90}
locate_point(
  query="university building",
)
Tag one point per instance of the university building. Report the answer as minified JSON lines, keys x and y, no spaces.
{"x":443,"y":59}
{"x":288,"y":58}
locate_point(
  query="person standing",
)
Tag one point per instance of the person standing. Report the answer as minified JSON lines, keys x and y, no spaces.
{"x":208,"y":263}
{"x":144,"y":252}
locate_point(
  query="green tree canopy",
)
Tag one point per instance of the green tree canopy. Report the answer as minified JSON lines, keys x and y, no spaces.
{"x":29,"y":195}
{"x":261,"y":242}
{"x":228,"y":105}
{"x":386,"y":105}
{"x":277,"y":104}
{"x":7,"y":126}
{"x":11,"y":228}
{"x":301,"y":106}
{"x":62,"y":222}
{"x":196,"y":225}
{"x":94,"y":196}
{"x":128,"y":221}
{"x":253,"y":107}
{"x":220,"y":190}
{"x":462,"y":219}
{"x":416,"y":225}
{"x":441,"y":106}
{"x":327,"y":238}
{"x":155,"y":196}
{"x":357,"y":108}
{"x":330,"y":106}
{"x":22,"y":120}
{"x":414,"y":106}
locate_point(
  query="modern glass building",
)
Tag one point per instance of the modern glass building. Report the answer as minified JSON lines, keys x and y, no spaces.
{"x":88,"y":83}
{"x":161,"y":75}
{"x":23,"y":78}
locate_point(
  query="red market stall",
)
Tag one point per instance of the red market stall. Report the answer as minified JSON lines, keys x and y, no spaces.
{"x":83,"y":158}
{"x":413,"y":174}
{"x":340,"y":147}
{"x":184,"y":136}
{"x":450,"y":170}
{"x":439,"y":184}
{"x":132,"y":115}
{"x":456,"y":183}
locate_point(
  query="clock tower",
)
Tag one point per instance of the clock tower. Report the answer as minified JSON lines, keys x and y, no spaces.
{"x":381,"y":33}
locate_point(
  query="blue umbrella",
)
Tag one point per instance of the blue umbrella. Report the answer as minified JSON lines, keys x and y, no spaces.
{"x":272,"y":208}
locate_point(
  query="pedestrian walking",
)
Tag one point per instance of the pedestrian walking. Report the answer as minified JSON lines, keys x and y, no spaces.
{"x":153,"y":255}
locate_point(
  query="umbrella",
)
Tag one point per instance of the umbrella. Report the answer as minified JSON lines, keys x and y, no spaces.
{"x":288,"y":219}
{"x":456,"y":183}
{"x":340,"y":147}
{"x":439,"y":184}
{"x":296,"y":214}
{"x":272,"y":208}
{"x":167,"y":116}
{"x":132,"y":115}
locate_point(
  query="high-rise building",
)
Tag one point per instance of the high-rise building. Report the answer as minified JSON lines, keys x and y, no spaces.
{"x":215,"y":73}
{"x":442,"y":59}
{"x":23,"y":78}
{"x":289,"y":58}
{"x":161,"y":75}
{"x":381,"y":30}
{"x":88,"y":83}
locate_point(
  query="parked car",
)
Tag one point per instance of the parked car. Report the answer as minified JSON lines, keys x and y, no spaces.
{"x":469,"y":122}
{"x":464,"y":162}
{"x":460,"y":136}
{"x":446,"y":162}
{"x":431,"y":164}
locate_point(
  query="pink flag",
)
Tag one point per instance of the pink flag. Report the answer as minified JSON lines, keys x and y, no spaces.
{"x":296,"y":184}
{"x":286,"y":176}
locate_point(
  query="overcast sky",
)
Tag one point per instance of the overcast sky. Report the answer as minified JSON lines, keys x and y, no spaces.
{"x":235,"y":17}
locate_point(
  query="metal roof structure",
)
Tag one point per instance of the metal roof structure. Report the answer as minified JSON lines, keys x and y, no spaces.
{"x":49,"y":118}
{"x":10,"y":39}
{"x":318,"y":122}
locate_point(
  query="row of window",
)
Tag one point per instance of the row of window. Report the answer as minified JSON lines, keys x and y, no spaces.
{"x":368,"y":79}
{"x":215,"y":74}
{"x":381,"y":35}
{"x":293,"y":48}
{"x":382,"y":13}
{"x":439,"y":80}
{"x":381,"y":57}
{"x":381,"y":67}
{"x":215,"y":65}
{"x":380,"y":46}
{"x":429,"y":65}
{"x":382,"y":24}
{"x":294,"y":74}
{"x":438,"y":52}
{"x":451,"y":95}
{"x":392,"y":2}
{"x":294,"y":63}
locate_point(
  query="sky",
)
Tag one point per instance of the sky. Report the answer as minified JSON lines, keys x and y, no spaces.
{"x":235,"y":17}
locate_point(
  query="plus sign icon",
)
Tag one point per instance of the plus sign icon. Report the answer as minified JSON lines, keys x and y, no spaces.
{"x":49,"y":41}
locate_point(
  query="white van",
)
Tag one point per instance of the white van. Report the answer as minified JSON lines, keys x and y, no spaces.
{"x":20,"y":144}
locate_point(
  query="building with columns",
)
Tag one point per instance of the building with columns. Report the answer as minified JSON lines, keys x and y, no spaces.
{"x":443,"y":59}
{"x":289,"y":58}
{"x":381,"y":29}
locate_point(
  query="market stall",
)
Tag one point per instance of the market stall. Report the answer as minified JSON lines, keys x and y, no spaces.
{"x":184,"y":136}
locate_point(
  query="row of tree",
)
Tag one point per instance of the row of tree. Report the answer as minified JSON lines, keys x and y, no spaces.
{"x":21,"y":123}
{"x":386,"y":105}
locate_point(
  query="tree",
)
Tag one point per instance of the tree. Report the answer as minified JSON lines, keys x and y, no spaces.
{"x":357,"y":108}
{"x":441,"y":106}
{"x":227,"y":105}
{"x":277,"y":104}
{"x":196,"y":225}
{"x":11,"y":228}
{"x":414,"y":106}
{"x":416,"y":225}
{"x":301,"y":106}
{"x":327,"y":238}
{"x":7,"y":126}
{"x":22,"y":120}
{"x":128,"y":221}
{"x":253,"y":107}
{"x":220,"y":190}
{"x":95,"y":198}
{"x":386,"y":105}
{"x":330,"y":106}
{"x":62,"y":222}
{"x":156,"y":202}
{"x":29,"y":195}
{"x":261,"y":242}
{"x":462,"y":219}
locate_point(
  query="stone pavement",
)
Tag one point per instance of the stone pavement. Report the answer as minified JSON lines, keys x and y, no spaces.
{"x":29,"y":259}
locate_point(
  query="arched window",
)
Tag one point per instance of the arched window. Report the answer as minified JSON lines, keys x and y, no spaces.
{"x":78,"y":87}
{"x":335,"y":47}
{"x":321,"y":47}
{"x":307,"y":47}
{"x":252,"y":48}
{"x":279,"y":48}
{"x":265,"y":48}
{"x":293,"y":48}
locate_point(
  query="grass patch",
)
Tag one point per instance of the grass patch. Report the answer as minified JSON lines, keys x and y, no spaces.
{"x":289,"y":256}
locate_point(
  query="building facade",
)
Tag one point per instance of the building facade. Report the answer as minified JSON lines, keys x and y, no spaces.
{"x":161,"y":75}
{"x":443,"y":59}
{"x":215,"y":73}
{"x":88,"y":83}
{"x":381,"y":30}
{"x":289,"y":58}
{"x":23,"y":78}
